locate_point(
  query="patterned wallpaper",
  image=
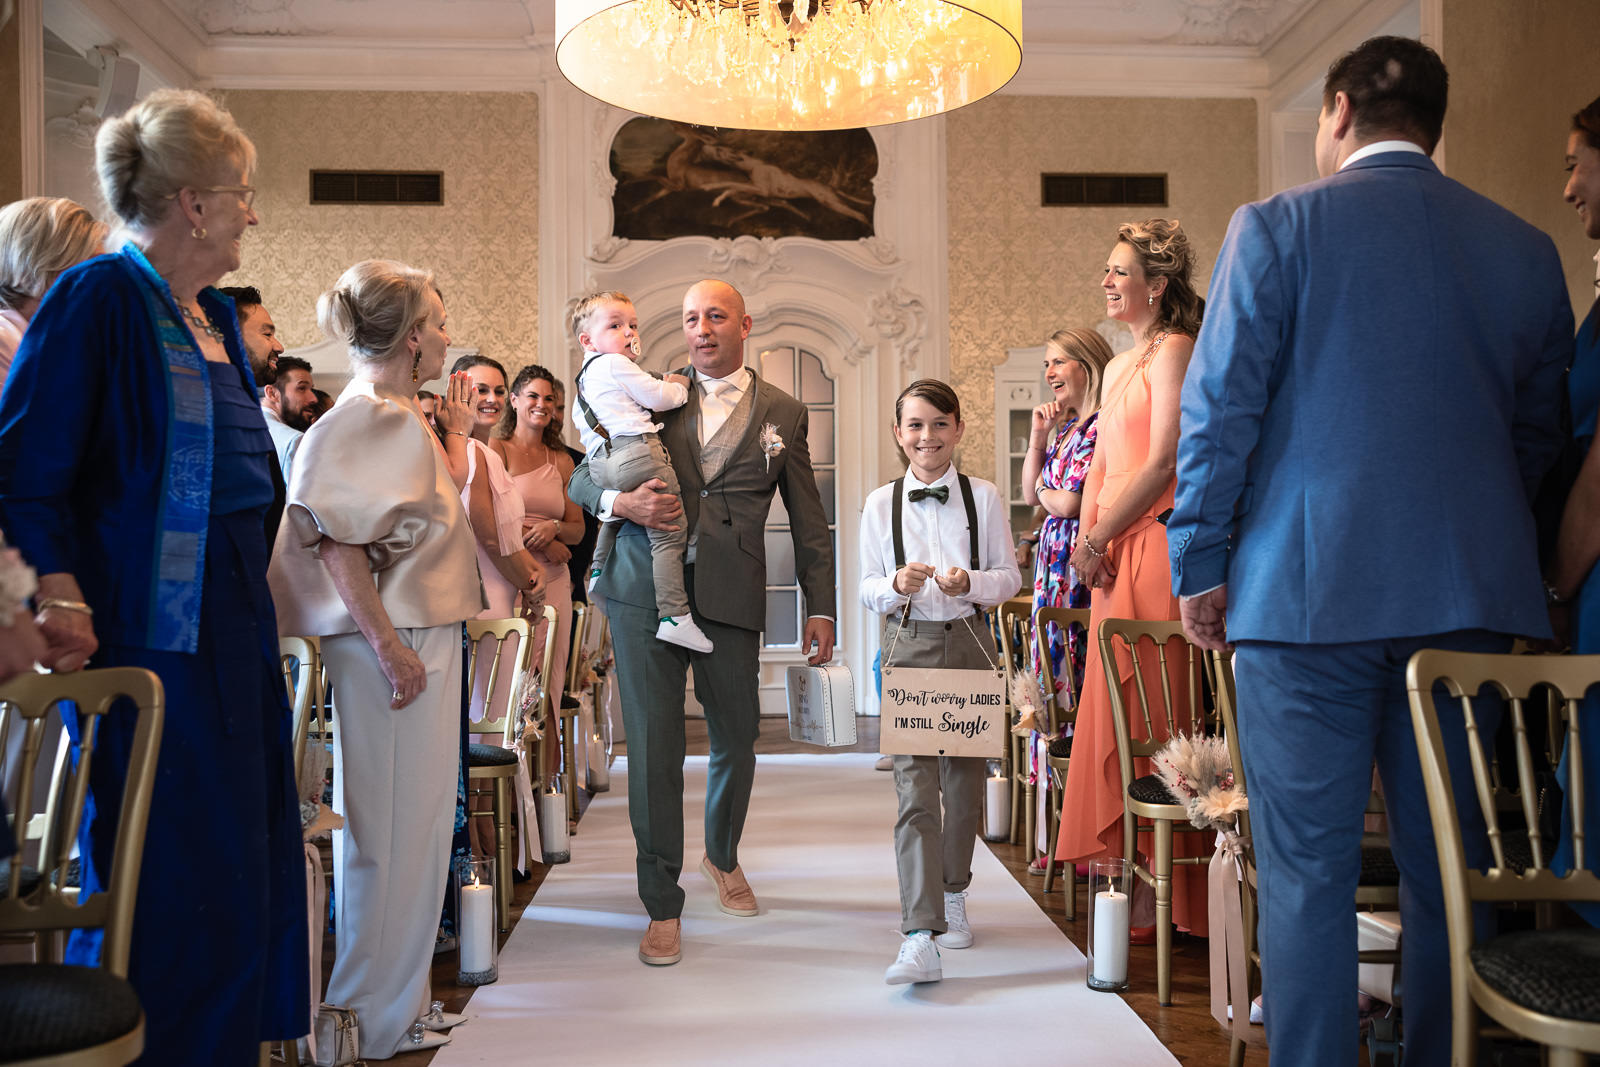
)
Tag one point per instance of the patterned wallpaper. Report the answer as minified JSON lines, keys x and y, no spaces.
{"x":1018,"y":271}
{"x":483,"y":243}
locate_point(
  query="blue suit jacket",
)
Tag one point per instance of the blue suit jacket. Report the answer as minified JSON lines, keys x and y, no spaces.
{"x":1372,"y":400}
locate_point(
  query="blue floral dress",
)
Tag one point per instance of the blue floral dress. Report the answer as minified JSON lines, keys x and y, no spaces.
{"x":1055,"y":583}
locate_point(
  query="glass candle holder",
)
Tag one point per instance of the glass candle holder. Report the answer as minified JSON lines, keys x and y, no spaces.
{"x":475,"y":924}
{"x":1110,"y":906}
{"x":553,"y":820}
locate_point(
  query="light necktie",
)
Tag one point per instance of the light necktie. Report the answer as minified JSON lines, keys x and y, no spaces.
{"x":715,"y":407}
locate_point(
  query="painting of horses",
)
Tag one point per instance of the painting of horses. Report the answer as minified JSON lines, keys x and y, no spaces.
{"x":677,"y":180}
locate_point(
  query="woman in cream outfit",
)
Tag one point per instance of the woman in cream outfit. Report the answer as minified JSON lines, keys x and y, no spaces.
{"x":376,"y":558}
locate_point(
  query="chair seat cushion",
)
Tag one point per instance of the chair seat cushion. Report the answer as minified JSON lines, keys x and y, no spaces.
{"x":1556,"y":972}
{"x":489,"y":756}
{"x":31,"y":878}
{"x":1152,"y":790}
{"x":49,"y":1008}
{"x":1378,"y":867}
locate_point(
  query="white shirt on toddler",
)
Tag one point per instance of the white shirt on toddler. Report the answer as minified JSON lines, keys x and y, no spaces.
{"x":622,"y":395}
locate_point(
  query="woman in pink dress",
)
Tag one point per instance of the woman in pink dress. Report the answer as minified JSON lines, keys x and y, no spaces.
{"x":510,"y":578}
{"x":529,"y":442}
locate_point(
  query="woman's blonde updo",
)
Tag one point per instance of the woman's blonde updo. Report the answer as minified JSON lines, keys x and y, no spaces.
{"x":373,"y":306}
{"x":1164,"y":252}
{"x":39,"y":238}
{"x":171,"y":139}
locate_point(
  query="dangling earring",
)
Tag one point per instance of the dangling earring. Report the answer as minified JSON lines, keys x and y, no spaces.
{"x":1150,"y":300}
{"x":198,"y":233}
{"x":416,"y":362}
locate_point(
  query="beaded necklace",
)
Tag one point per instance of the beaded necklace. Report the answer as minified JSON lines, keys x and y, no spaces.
{"x":201,"y":323}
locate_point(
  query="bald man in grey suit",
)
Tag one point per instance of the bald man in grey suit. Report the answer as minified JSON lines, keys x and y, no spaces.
{"x":727,"y":482}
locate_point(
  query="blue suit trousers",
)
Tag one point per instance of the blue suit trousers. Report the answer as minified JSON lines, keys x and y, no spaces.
{"x":1312,"y":721}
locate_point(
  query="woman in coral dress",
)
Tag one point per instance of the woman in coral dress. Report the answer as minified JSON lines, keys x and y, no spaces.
{"x":1121,"y":553}
{"x":530,"y":443}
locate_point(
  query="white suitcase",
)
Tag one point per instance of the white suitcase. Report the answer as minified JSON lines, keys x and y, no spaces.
{"x":822,"y":705}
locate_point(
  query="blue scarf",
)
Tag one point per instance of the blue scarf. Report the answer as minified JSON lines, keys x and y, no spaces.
{"x":183,"y":510}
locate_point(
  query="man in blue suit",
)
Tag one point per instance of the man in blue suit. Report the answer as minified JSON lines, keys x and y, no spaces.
{"x":1371,"y":404}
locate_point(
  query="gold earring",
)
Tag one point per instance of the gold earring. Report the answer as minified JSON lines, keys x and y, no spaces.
{"x":416,"y":362}
{"x":198,"y":233}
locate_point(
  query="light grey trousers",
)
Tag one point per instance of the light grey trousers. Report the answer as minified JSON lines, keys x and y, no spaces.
{"x":625,"y":463}
{"x":395,"y":783}
{"x":933,"y":841}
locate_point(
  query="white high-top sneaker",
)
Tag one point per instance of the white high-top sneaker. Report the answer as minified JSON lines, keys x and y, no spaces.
{"x":681,"y":630}
{"x":918,"y":961}
{"x":959,"y":934}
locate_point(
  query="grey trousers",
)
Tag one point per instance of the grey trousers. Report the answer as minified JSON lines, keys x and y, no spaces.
{"x":933,"y":854}
{"x":625,"y":463}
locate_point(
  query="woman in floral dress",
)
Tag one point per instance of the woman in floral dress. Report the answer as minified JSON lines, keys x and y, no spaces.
{"x":1060,"y":447}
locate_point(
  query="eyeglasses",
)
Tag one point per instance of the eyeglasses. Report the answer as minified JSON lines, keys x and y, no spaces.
{"x":248,"y":192}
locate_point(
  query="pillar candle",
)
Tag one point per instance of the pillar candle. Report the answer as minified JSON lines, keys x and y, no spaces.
{"x":599,"y":769}
{"x":1111,"y":937}
{"x":476,"y":924}
{"x":997,"y":809}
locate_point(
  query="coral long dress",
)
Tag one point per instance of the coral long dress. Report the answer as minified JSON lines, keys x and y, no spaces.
{"x":1091,"y":812}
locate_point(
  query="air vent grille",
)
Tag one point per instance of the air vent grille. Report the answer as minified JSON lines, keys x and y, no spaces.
{"x":377,"y":187}
{"x":1104,"y":190}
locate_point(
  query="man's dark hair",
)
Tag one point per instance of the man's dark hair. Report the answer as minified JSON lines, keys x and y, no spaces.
{"x":289,"y":363}
{"x":244,"y":297}
{"x":1396,"y":85}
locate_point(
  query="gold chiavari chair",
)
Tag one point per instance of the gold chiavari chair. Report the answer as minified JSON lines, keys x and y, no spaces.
{"x":1173,"y":709}
{"x":1015,"y":622}
{"x":498,"y":763}
{"x":1539,"y":984}
{"x":1062,"y":713}
{"x":106,"y":1020}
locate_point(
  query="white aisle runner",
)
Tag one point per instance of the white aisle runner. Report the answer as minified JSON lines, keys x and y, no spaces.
{"x":802,"y":983}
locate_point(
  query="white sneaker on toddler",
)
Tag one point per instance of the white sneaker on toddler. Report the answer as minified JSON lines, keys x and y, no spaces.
{"x":681,"y":630}
{"x":959,"y":934}
{"x":918,"y":961}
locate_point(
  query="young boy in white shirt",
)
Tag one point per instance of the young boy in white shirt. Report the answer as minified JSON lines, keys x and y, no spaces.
{"x":950,"y":558}
{"x":617,"y":402}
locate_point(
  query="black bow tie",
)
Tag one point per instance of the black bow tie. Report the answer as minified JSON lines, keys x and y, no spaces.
{"x":941,"y":493}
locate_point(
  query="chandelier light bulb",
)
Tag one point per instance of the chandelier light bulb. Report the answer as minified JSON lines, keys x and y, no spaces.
{"x":789,"y":64}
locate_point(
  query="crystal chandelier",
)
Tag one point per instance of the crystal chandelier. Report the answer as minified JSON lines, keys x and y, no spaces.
{"x":789,"y":64}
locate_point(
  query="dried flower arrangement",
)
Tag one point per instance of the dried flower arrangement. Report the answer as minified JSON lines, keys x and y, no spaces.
{"x":1198,"y":772}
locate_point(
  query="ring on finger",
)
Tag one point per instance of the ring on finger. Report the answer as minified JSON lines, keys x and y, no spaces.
{"x":397,"y":694}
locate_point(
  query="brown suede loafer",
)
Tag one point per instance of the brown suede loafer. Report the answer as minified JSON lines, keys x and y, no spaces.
{"x":663,"y":943}
{"x":734,"y":894}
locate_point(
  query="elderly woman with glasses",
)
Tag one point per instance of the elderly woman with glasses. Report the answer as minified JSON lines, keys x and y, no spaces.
{"x":134,"y":473}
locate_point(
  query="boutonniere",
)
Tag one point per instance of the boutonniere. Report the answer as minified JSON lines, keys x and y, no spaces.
{"x":771,"y":443}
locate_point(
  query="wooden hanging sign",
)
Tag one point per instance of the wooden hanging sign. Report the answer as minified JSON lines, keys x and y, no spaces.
{"x":941,"y":712}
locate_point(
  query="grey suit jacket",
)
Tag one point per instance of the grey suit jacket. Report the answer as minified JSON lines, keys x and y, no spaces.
{"x":728,"y":517}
